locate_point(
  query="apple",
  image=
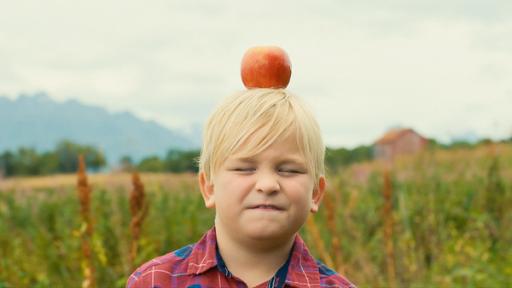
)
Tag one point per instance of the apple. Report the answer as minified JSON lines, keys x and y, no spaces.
{"x":265,"y":67}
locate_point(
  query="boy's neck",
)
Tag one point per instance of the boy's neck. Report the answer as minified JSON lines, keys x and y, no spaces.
{"x":252,"y":261}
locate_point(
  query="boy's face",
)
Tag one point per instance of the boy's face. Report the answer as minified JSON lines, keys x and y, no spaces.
{"x":264,"y":197}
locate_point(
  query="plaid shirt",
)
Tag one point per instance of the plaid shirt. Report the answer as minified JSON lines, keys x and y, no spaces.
{"x":200,"y":265}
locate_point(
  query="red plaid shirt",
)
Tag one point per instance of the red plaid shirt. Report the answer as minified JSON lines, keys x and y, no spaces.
{"x":200,"y":265}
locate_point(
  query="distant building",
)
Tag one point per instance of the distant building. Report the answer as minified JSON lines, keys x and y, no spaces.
{"x":398,"y":142}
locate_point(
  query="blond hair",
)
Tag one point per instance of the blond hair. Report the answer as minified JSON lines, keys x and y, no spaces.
{"x":265,"y":115}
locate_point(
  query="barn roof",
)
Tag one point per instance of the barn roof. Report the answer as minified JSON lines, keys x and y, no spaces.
{"x":394,"y":134}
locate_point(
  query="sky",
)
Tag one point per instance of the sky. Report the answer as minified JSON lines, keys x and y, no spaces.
{"x":443,"y":68}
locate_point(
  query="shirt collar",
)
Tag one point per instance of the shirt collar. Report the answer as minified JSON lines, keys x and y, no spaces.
{"x":202,"y":257}
{"x":302,"y":269}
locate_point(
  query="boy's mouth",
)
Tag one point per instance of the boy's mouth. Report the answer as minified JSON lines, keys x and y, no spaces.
{"x":266,"y":207}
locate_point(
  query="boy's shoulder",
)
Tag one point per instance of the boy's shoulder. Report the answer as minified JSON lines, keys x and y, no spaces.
{"x":177,"y":267}
{"x":178,"y":259}
{"x":173,"y":264}
{"x":307,"y":271}
{"x":330,"y":278}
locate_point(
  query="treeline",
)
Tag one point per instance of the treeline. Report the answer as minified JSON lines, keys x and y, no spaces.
{"x":176,"y":161}
{"x":342,"y":157}
{"x":63,"y":159}
{"x":466,"y":144}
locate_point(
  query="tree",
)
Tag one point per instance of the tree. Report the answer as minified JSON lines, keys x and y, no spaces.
{"x":181,"y":161}
{"x":151,"y":164}
{"x":7,"y":164}
{"x":48,"y":163}
{"x":336,"y":158}
{"x":126,"y":163}
{"x":67,"y":154}
{"x":25,"y":162}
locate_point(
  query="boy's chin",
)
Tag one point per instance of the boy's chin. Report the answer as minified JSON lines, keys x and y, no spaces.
{"x":268,"y":234}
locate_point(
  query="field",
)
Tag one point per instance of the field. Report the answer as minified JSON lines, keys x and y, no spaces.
{"x":438,"y":219}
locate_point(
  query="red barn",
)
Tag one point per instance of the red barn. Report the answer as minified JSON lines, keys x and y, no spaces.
{"x":398,"y":142}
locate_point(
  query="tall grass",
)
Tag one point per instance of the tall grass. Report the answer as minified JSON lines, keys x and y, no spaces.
{"x":438,"y":219}
{"x":86,"y":228}
{"x":388,"y":219}
{"x":445,"y":215}
{"x":138,"y":209}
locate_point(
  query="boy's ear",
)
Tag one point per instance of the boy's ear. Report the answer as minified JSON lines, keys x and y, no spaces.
{"x":318,"y":194}
{"x":206,"y":190}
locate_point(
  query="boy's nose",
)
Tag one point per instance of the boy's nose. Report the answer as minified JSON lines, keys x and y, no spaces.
{"x":267,"y":183}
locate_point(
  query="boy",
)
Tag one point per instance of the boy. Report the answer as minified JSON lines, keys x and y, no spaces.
{"x":262,"y":169}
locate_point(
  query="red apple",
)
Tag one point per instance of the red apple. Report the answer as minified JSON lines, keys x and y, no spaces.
{"x":266,"y":67}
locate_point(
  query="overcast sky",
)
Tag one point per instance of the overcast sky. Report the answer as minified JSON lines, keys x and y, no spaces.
{"x":443,"y":68}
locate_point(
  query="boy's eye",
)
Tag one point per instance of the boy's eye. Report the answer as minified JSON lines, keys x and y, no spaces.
{"x":243,"y":169}
{"x":291,"y":171}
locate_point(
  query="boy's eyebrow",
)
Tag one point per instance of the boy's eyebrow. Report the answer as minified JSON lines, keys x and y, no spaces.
{"x":244,"y":160}
{"x":293,"y":161}
{"x":286,"y":160}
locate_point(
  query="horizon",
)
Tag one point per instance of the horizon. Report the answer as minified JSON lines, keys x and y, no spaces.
{"x":470,"y":138}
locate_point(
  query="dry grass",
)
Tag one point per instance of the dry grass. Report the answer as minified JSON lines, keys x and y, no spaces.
{"x":387,"y":215}
{"x":86,"y":230}
{"x":314,"y":233}
{"x":138,"y":209}
{"x":108,"y":181}
{"x":330,"y":206}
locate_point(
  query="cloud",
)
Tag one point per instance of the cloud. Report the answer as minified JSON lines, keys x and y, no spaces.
{"x":439,"y":66}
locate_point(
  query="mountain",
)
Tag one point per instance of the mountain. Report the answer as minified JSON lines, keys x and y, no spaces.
{"x":38,"y":121}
